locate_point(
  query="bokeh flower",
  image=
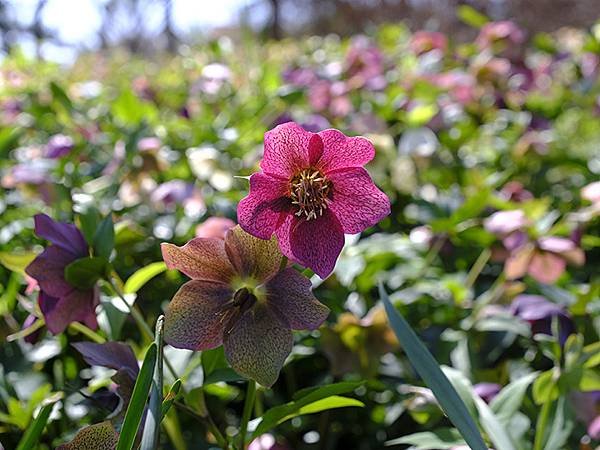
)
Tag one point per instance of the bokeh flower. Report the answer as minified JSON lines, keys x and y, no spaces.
{"x":239,"y":297}
{"x":58,"y":146}
{"x":539,"y":312}
{"x":214,"y":227}
{"x":312,"y":190}
{"x":60,"y":302}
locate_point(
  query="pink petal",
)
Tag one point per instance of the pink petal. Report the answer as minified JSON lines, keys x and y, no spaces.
{"x":76,"y":306}
{"x":214,"y":227}
{"x":260,"y":212}
{"x":315,"y":243}
{"x":286,"y":150}
{"x":517,"y":263}
{"x":251,"y":256}
{"x":258,"y":345}
{"x":340,"y":151}
{"x":546,"y":267}
{"x":356,"y":202}
{"x":200,"y":259}
{"x":289,"y":296}
{"x":192,"y":319}
{"x":564,"y":247}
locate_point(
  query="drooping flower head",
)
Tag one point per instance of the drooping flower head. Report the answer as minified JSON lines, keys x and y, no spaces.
{"x":312,"y":190}
{"x":60,"y":302}
{"x":239,"y":297}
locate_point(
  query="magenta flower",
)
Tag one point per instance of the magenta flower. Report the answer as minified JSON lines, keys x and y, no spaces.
{"x":312,"y":190}
{"x":239,"y":297}
{"x":60,"y":302}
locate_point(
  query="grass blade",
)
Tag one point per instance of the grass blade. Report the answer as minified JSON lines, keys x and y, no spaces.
{"x":33,"y":433}
{"x":154,"y":416}
{"x":135,"y":410}
{"x":428,"y":368}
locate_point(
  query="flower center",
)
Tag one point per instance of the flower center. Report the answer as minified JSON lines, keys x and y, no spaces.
{"x":231,"y":312}
{"x":309,"y":191}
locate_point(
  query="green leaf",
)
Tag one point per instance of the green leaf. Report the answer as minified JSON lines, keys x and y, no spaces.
{"x":441,"y":439}
{"x":16,"y":262}
{"x":136,"y":406}
{"x":430,"y":371}
{"x":545,"y":388}
{"x":560,"y":426}
{"x":509,"y":399}
{"x":89,"y":224}
{"x":170,"y":398}
{"x":591,"y":355}
{"x":83,"y":273}
{"x":104,"y":238}
{"x":495,"y":430}
{"x":60,"y":95}
{"x":278,"y":414}
{"x":471,"y":16}
{"x":33,"y":433}
{"x":141,"y":276}
{"x":150,"y":436}
{"x":333,"y":402}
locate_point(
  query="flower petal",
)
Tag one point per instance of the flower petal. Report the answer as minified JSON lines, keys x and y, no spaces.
{"x":341,"y":151}
{"x":258,"y":345}
{"x":48,"y":269}
{"x":251,"y":256}
{"x":286,"y":150}
{"x":517,"y":263}
{"x":76,"y":306}
{"x":192,"y":319}
{"x":356,"y":201}
{"x":64,"y":235}
{"x":100,"y":436}
{"x":289,"y":296}
{"x":200,"y":259}
{"x":314,"y":243}
{"x":260,"y":212}
{"x":114,"y":355}
{"x":564,"y":247}
{"x":546,"y":267}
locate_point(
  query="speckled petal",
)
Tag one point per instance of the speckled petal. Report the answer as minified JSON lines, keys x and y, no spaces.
{"x":76,"y":306}
{"x":48,"y":270}
{"x":315,"y":243}
{"x":260,"y":212}
{"x":251,"y":256}
{"x":286,"y":150}
{"x":258,"y":345}
{"x":64,"y":235}
{"x":114,"y":355}
{"x":356,"y":201}
{"x":200,"y":259}
{"x":341,"y":151}
{"x":192,"y":319}
{"x":289,"y":296}
{"x":101,"y":436}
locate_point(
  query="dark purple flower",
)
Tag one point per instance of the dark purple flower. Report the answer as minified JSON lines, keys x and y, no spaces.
{"x":60,"y":302}
{"x":487,"y":391}
{"x":114,"y":355}
{"x":539,"y":312}
{"x":58,"y":146}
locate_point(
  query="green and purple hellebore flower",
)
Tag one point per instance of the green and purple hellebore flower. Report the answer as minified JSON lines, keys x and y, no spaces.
{"x":312,"y":190}
{"x":239,"y":297}
{"x":60,"y":302}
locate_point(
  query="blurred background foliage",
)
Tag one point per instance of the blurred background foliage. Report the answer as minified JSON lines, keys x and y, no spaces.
{"x":470,"y":117}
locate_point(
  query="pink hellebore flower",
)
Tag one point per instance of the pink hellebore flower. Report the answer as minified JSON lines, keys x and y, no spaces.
{"x":214,"y":227}
{"x":312,"y":190}
{"x":239,"y":297}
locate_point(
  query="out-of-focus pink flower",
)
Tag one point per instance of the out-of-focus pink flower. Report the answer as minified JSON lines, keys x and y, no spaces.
{"x":461,"y":86}
{"x":214,"y":227}
{"x":149,"y":144}
{"x":502,"y":223}
{"x":58,"y":146}
{"x":178,"y":192}
{"x":240,"y":298}
{"x":591,"y":192}
{"x":300,"y":77}
{"x":266,"y":442}
{"x":312,"y":190}
{"x":364,"y":64}
{"x":60,"y":302}
{"x":500,"y":36}
{"x":514,"y":191}
{"x":425,"y":41}
{"x":213,"y":77}
{"x":487,"y":391}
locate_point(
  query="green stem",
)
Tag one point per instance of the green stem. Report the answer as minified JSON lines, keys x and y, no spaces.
{"x":477,"y":267}
{"x":87,"y":332}
{"x":248,"y":405}
{"x":284,"y":263}
{"x":212,"y":427}
{"x":540,"y":429}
